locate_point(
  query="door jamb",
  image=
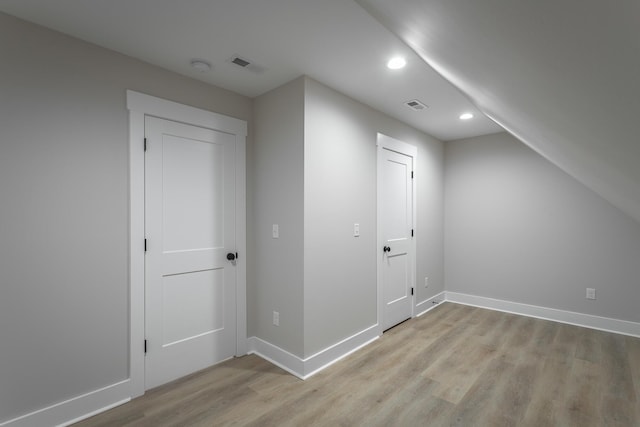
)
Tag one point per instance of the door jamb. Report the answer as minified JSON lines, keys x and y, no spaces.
{"x":392,"y":144}
{"x":139,"y":106}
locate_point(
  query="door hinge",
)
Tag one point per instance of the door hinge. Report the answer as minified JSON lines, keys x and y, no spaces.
{"x":411,"y":172}
{"x":412,"y":232}
{"x":145,"y":346}
{"x":236,"y":255}
{"x":145,"y":245}
{"x":411,"y":291}
{"x":145,"y":144}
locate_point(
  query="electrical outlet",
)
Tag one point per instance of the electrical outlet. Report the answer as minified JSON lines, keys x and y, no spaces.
{"x":426,"y":282}
{"x":356,"y":230}
{"x":591,"y":293}
{"x":275,"y":231}
{"x":276,"y":318}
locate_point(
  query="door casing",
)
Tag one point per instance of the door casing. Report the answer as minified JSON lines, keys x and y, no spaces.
{"x":139,"y":106}
{"x":386,"y":142}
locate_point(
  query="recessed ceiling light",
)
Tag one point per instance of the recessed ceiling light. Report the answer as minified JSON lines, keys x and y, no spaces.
{"x":396,"y":63}
{"x":466,"y":116}
{"x":201,"y":65}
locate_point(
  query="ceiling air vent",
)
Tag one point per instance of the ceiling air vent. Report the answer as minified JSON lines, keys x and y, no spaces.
{"x":239,"y":61}
{"x":416,"y":105}
{"x":246,"y":64}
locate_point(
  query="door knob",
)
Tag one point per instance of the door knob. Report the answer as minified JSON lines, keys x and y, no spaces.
{"x":231,"y":256}
{"x":386,"y":249}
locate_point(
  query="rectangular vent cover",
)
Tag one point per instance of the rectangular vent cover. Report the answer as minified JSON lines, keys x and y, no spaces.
{"x":416,"y":105}
{"x":241,"y":62}
{"x":247,"y":64}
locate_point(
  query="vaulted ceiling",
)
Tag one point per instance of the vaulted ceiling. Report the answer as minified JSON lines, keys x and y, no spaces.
{"x":561,"y":75}
{"x":333,"y":41}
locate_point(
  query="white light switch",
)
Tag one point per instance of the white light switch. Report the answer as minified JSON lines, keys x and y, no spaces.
{"x":275,"y":232}
{"x":356,"y":230}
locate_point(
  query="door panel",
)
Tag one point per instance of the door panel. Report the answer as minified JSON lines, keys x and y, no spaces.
{"x":190,"y":307}
{"x":396,"y":226}
{"x":193,"y":192}
{"x":203,"y":293}
{"x":396,"y":278}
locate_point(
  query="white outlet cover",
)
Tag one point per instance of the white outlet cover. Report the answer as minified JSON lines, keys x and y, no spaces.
{"x":275,"y":231}
{"x":356,"y":230}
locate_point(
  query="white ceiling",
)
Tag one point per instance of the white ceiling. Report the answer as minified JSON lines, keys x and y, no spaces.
{"x":333,"y":41}
{"x":561,"y":75}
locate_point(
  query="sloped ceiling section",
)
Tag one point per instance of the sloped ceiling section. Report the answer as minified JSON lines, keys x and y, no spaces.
{"x":563,"y":76}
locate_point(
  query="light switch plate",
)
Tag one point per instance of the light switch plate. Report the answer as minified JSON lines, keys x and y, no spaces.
{"x":275,"y":231}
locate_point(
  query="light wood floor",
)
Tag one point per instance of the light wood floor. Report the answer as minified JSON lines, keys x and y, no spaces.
{"x":454,"y":366}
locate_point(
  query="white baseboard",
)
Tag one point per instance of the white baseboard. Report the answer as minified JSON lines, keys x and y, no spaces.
{"x":78,"y":408}
{"x":279,"y":357}
{"x":305,"y":368}
{"x":572,"y":318}
{"x":89,"y":404}
{"x":340,"y":350}
{"x":429,"y":304}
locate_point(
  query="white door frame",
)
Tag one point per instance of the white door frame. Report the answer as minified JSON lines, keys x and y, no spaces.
{"x":389,"y":143}
{"x":139,"y":106}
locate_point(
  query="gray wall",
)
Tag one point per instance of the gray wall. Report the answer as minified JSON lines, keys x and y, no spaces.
{"x":315,"y":175}
{"x":340,"y":189}
{"x":64,"y":209}
{"x":277,"y":271}
{"x":314,"y":165}
{"x":520,"y":229}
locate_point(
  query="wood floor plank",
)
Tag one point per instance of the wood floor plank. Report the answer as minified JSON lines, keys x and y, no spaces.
{"x":474,"y":404}
{"x":515,"y":393}
{"x":549,"y":390}
{"x":501,"y":325}
{"x":413,"y":402}
{"x":617,"y":412}
{"x":458,"y":372}
{"x":581,"y":405}
{"x":633,"y":349}
{"x":617,"y":368}
{"x":589,"y":345}
{"x":489,"y":321}
{"x":563,"y":347}
{"x":453,"y":366}
{"x":543,"y":335}
{"x":515,"y":343}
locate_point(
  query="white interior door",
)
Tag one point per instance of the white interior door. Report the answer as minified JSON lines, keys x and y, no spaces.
{"x":190,"y":298}
{"x":396,"y":228}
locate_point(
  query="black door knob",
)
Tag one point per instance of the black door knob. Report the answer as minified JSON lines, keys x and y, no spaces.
{"x":386,"y":249}
{"x":231,"y":256}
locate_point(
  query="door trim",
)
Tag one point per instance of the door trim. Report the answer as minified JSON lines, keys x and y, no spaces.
{"x":392,"y":144}
{"x":139,"y":106}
